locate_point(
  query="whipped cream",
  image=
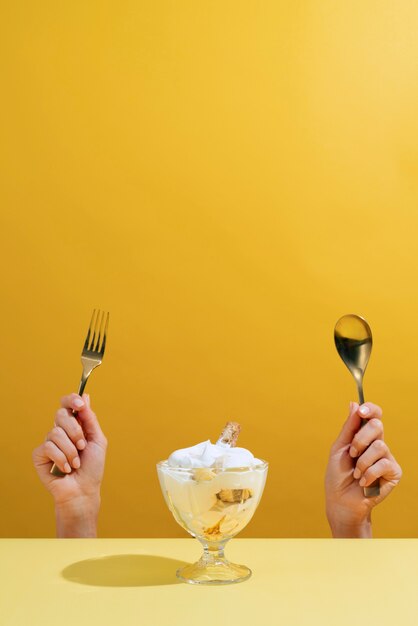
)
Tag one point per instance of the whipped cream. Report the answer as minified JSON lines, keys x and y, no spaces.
{"x":207,"y":454}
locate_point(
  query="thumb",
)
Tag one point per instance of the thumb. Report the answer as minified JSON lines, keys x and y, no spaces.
{"x":89,"y":422}
{"x":350,"y":427}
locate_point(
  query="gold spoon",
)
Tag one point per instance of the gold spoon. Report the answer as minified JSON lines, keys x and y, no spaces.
{"x":353,"y":340}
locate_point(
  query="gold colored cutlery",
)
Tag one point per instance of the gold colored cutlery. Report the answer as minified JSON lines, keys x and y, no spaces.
{"x":353,"y":340}
{"x":91,"y":356}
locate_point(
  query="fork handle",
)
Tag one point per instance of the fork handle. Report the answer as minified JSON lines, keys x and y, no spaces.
{"x":55,"y":470}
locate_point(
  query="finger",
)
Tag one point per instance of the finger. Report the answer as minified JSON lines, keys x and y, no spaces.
{"x":350,"y":427}
{"x":369,"y":410}
{"x":377,"y":450}
{"x":64,"y":412}
{"x":72,"y":401}
{"x":70,"y":425}
{"x":58,"y":436}
{"x":385,"y":468}
{"x":90,"y":423}
{"x":365,"y":436}
{"x":48,"y":452}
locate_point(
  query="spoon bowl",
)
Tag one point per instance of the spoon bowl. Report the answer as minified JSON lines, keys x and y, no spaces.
{"x":353,"y":340}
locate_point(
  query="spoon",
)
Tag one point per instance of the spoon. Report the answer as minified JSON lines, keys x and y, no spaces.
{"x":353,"y":340}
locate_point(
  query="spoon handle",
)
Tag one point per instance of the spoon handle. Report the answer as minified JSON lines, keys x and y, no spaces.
{"x":374,"y":489}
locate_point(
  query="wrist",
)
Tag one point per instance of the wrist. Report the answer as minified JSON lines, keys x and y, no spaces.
{"x":77,"y":517}
{"x":350,"y":529}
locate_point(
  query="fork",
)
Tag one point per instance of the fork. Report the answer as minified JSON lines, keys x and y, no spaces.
{"x":91,"y":357}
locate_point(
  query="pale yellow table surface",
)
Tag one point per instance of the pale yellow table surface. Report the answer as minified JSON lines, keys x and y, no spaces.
{"x":50,"y":582}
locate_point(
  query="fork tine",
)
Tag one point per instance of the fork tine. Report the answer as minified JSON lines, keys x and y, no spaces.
{"x":96,"y":336}
{"x":100,"y":335}
{"x":90,"y":331}
{"x":103,"y":346}
{"x":93,"y":338}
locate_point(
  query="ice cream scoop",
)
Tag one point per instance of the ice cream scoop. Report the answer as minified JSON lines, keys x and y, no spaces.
{"x":207,"y":454}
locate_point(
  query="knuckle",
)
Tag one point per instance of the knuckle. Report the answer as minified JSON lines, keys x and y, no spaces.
{"x":49,"y":447}
{"x":56,"y":431}
{"x":380,"y":446}
{"x":376,"y":424}
{"x":370,"y":474}
{"x":61,"y":414}
{"x":386,"y":464}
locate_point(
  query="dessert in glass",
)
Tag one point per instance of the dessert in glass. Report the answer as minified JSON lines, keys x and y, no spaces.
{"x":213,"y":491}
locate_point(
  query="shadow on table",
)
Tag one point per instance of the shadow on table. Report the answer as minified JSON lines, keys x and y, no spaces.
{"x":124,"y":570}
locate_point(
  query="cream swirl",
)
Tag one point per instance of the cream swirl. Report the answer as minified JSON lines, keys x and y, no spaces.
{"x":207,"y":454}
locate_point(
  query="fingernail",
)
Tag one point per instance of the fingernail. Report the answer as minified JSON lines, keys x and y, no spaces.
{"x":356,"y":473}
{"x":88,"y":398}
{"x":362,"y":482}
{"x":78,"y":403}
{"x":364,"y":410}
{"x":81,"y":444}
{"x":67,"y":468}
{"x":353,"y":451}
{"x":76,"y":462}
{"x":350,"y":408}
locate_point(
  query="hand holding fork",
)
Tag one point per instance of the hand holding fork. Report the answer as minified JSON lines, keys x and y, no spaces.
{"x":77,"y":497}
{"x":91,"y":357}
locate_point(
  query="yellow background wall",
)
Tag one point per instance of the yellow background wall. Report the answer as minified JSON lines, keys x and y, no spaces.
{"x":227,"y":178}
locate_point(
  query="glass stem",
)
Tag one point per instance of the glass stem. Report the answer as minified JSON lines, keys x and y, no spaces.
{"x":213,"y":553}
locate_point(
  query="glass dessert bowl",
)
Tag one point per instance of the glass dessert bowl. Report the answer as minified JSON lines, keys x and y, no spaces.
{"x":213,"y":503}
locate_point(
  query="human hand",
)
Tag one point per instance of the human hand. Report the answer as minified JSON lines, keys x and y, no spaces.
{"x":78,"y":448}
{"x":358,"y":457}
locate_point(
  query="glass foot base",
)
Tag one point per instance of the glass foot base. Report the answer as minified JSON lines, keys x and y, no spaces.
{"x":216,"y":572}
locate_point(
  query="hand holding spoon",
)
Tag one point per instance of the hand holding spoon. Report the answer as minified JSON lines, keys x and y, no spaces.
{"x":353,"y":340}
